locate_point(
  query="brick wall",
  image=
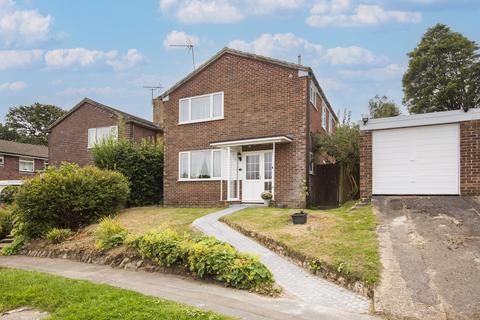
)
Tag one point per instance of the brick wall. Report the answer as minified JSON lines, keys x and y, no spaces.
{"x":470,"y":158}
{"x":138,"y":133}
{"x":9,"y":169}
{"x":158,"y":112}
{"x":365,"y":164}
{"x":260,"y":99}
{"x":68,"y":140}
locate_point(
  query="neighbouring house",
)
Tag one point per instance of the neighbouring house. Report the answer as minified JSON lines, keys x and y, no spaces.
{"x":19,"y":161}
{"x":423,"y":154}
{"x":73,"y":135}
{"x":239,"y":125}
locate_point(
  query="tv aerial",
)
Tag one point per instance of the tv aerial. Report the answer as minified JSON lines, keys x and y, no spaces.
{"x":189,"y":45}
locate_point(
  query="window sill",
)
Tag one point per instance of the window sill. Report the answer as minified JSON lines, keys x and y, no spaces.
{"x":193,"y":180}
{"x":27,"y":172}
{"x":200,"y":121}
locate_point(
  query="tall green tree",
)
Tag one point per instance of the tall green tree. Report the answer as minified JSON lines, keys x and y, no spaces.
{"x":382,"y":107}
{"x":31,"y":122}
{"x":7,"y":133}
{"x":443,"y":72}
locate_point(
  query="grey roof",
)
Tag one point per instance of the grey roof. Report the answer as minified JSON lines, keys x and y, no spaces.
{"x":254,"y":57}
{"x":127,"y":117}
{"x":23,"y":149}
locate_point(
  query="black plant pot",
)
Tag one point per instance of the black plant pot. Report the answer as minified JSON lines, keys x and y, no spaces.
{"x":299,"y":218}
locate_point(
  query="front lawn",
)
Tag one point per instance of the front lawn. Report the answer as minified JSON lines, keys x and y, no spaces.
{"x":76,"y":299}
{"x":340,"y":239}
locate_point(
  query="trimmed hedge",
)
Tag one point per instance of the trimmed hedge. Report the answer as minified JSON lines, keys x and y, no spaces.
{"x":68,"y":197}
{"x":205,"y":257}
{"x":141,"y":163}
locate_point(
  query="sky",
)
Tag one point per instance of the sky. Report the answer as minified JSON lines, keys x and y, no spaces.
{"x":58,"y":52}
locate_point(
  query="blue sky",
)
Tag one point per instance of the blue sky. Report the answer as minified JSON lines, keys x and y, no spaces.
{"x":59,"y":51}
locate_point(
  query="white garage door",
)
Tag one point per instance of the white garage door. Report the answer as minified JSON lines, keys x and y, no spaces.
{"x":418,"y":160}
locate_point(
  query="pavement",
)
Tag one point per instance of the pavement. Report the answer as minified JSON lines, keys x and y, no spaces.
{"x":430,"y":251}
{"x":236,"y":303}
{"x":310,"y":289}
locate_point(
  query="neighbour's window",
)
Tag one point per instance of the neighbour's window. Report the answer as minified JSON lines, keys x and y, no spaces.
{"x":332,"y":123}
{"x":311,"y":168}
{"x":26,"y":165}
{"x":201,"y":108}
{"x":98,"y":135}
{"x":45,"y":164}
{"x":324,"y":115}
{"x":203,"y":164}
{"x":313,"y":95}
{"x":2,"y":160}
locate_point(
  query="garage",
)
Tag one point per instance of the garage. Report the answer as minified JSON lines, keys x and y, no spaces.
{"x":418,"y":160}
{"x":421,"y":154}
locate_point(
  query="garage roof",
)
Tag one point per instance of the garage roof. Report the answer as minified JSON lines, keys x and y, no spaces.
{"x":424,"y":119}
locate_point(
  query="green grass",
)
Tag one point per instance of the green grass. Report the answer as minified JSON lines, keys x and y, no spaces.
{"x":143,"y":219}
{"x":75,"y":299}
{"x":344,"y":240}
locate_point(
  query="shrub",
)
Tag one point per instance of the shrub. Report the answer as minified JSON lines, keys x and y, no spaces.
{"x":110,"y":233}
{"x":6,"y":222}
{"x":7,"y":195}
{"x":141,"y":163}
{"x":266,"y":195}
{"x":205,"y":257}
{"x":58,"y":235}
{"x":14,"y":247}
{"x":69,"y":197}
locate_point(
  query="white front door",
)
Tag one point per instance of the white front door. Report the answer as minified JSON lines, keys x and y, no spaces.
{"x":258,"y":173}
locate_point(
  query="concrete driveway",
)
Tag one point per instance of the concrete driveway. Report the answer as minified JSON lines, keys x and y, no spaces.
{"x":430,"y":250}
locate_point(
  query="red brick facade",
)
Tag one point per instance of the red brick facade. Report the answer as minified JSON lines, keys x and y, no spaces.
{"x":10,"y":168}
{"x":261,"y":99}
{"x":469,"y":160}
{"x":68,"y":139}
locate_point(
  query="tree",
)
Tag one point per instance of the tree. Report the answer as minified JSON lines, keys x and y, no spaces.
{"x":7,"y":133}
{"x":443,"y":73}
{"x":31,"y":122}
{"x":382,"y":107}
{"x":344,"y":147}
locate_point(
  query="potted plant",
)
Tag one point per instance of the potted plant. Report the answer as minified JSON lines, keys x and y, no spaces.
{"x":267,"y":197}
{"x":301,"y":217}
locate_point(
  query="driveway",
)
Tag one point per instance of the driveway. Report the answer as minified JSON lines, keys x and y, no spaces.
{"x":430,"y":250}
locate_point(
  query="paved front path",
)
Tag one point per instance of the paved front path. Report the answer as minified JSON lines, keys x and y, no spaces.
{"x":295,"y":280}
{"x":236,"y":303}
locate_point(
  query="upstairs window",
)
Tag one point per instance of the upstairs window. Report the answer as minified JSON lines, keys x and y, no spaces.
{"x":98,"y":135}
{"x":26,"y":165}
{"x":313,"y":95}
{"x":201,"y":108}
{"x":332,"y":123}
{"x":203,"y":164}
{"x":324,"y":115}
{"x":2,"y":160}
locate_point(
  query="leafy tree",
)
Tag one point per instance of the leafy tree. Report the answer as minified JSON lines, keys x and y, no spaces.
{"x":31,"y":122}
{"x":382,"y":107}
{"x":344,"y":147}
{"x":7,"y":133}
{"x":443,"y":72}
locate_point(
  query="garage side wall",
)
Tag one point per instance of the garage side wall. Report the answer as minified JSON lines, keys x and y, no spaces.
{"x":365,"y":164}
{"x":470,"y":158}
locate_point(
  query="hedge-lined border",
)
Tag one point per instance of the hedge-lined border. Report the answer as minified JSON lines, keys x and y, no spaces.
{"x":325,"y":271}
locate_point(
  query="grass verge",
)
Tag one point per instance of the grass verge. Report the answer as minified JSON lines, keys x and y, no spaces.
{"x":76,"y":299}
{"x":336,"y":240}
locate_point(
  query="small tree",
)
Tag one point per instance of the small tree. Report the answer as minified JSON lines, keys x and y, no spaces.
{"x":141,"y":163}
{"x":382,"y":107}
{"x":443,"y":72}
{"x":343,"y":146}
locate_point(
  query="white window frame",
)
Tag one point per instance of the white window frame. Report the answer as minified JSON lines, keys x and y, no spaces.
{"x":324,"y":115}
{"x":29,"y":160}
{"x":92,"y":144}
{"x":211,"y":165}
{"x":2,"y":159}
{"x":311,"y":166}
{"x":210,"y":118}
{"x":332,"y":123}
{"x":313,"y":94}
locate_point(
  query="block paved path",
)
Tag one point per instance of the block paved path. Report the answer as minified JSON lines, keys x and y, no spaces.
{"x":294,"y":280}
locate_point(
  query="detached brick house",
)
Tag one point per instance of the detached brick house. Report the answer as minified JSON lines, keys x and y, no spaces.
{"x":423,"y":154}
{"x":20,"y":160}
{"x":238,"y":125}
{"x":73,"y":135}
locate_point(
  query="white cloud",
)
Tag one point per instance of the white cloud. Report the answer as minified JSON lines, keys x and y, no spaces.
{"x":333,"y":6}
{"x":387,"y":72}
{"x":279,"y":44}
{"x":23,"y":27}
{"x":223,"y":11}
{"x":363,"y":15}
{"x":82,"y":57}
{"x":351,"y":55}
{"x":179,"y":37}
{"x":13,"y":86}
{"x":18,"y":58}
{"x":330,"y":84}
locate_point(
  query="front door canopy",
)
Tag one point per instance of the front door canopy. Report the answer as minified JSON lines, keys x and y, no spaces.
{"x":251,"y":141}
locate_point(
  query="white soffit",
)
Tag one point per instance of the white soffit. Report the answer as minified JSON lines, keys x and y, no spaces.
{"x":425,"y":119}
{"x":244,"y":142}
